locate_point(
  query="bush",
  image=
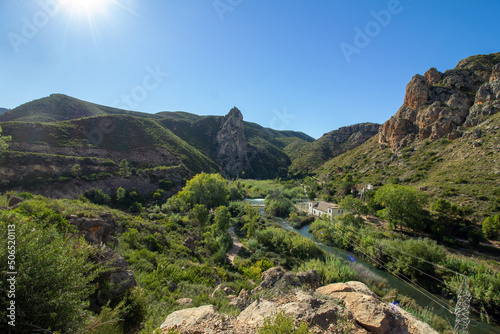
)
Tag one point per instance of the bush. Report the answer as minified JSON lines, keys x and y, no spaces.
{"x":332,"y":270}
{"x":136,"y":207}
{"x":491,"y":226}
{"x":54,"y":276}
{"x":276,"y":204}
{"x":279,"y":323}
{"x":97,"y":196}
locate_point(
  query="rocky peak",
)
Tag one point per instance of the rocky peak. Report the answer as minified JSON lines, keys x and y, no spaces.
{"x":232,"y":144}
{"x":417,"y":92}
{"x":437,"y":105}
{"x":433,"y":76}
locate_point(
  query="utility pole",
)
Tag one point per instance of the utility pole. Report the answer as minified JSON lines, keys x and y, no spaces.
{"x":462,"y":308}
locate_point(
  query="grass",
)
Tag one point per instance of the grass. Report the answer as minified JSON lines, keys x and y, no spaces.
{"x":3,"y":201}
{"x":454,"y":170}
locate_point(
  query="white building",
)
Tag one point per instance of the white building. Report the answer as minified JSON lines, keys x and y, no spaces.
{"x":321,"y":208}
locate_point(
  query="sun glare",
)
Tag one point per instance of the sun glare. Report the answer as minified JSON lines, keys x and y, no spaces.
{"x":87,"y":8}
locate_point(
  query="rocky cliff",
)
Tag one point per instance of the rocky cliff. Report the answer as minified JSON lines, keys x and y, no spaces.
{"x":336,"y":308}
{"x":232,"y":145}
{"x":332,"y":144}
{"x":438,"y":105}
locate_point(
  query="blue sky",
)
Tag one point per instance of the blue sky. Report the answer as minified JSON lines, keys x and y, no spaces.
{"x":310,"y":66}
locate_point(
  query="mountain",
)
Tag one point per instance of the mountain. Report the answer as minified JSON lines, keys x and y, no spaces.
{"x":439,"y":104}
{"x":59,"y":107}
{"x":445,"y":138}
{"x":2,"y":110}
{"x":55,"y":133}
{"x":332,"y":144}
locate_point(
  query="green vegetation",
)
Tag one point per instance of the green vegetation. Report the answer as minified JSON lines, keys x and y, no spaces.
{"x":207,"y":189}
{"x":279,"y":323}
{"x":52,"y":285}
{"x":414,"y":259}
{"x":4,"y":141}
{"x":454,"y":171}
{"x":276,"y":204}
{"x":491,"y":227}
{"x":403,"y":205}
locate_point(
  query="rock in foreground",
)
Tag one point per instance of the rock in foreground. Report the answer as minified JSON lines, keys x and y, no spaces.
{"x":336,"y":308}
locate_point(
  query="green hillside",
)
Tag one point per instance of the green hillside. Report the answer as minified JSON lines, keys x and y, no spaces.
{"x":455,"y":170}
{"x":312,"y":155}
{"x":59,"y":107}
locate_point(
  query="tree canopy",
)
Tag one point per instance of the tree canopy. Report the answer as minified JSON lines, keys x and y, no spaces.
{"x":3,"y":141}
{"x":207,"y":189}
{"x":402,"y":205}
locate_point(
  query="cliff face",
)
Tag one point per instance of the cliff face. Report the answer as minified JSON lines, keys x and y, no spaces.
{"x":437,"y":105}
{"x":353,"y":135}
{"x":232,"y":145}
{"x":332,"y":144}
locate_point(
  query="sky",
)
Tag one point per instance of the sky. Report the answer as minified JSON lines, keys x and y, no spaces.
{"x":310,"y":66}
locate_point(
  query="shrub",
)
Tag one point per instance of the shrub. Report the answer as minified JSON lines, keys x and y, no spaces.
{"x":332,"y":270}
{"x":97,"y":196}
{"x":491,"y":226}
{"x":53,"y":276}
{"x":279,"y":323}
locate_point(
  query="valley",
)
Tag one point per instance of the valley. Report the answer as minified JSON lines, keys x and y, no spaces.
{"x":145,"y":215}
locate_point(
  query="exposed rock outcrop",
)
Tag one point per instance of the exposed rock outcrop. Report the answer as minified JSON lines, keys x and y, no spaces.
{"x":97,"y":230}
{"x":101,"y":231}
{"x":437,"y":105}
{"x":341,"y":307}
{"x":332,"y":144}
{"x":232,"y":145}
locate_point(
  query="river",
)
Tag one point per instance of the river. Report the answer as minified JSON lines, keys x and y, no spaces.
{"x":441,"y":306}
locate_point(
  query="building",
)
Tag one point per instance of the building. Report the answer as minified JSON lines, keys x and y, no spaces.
{"x":321,"y":208}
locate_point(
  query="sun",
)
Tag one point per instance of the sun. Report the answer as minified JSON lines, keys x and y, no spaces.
{"x":87,"y":8}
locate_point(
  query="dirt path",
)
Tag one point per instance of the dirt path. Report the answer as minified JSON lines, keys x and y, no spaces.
{"x":236,"y":246}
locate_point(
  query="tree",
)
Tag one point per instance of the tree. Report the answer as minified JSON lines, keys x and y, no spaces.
{"x":491,"y":227}
{"x":76,"y":170}
{"x":353,"y":205}
{"x":445,"y":210}
{"x":120,"y":194}
{"x":252,"y":219}
{"x":347,"y":184}
{"x":222,"y":218}
{"x":207,"y":189}
{"x":403,"y":205}
{"x":124,"y":170}
{"x":3,"y":141}
{"x":355,"y":208}
{"x":276,"y":204}
{"x":200,"y":214}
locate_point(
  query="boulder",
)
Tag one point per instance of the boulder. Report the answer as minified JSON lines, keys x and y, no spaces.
{"x":222,"y":289}
{"x":97,"y":230}
{"x":184,"y":301}
{"x":242,"y":301}
{"x":257,"y":312}
{"x":190,"y":317}
{"x":271,"y":276}
{"x":13,"y":200}
{"x":310,"y":277}
{"x":371,"y":313}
